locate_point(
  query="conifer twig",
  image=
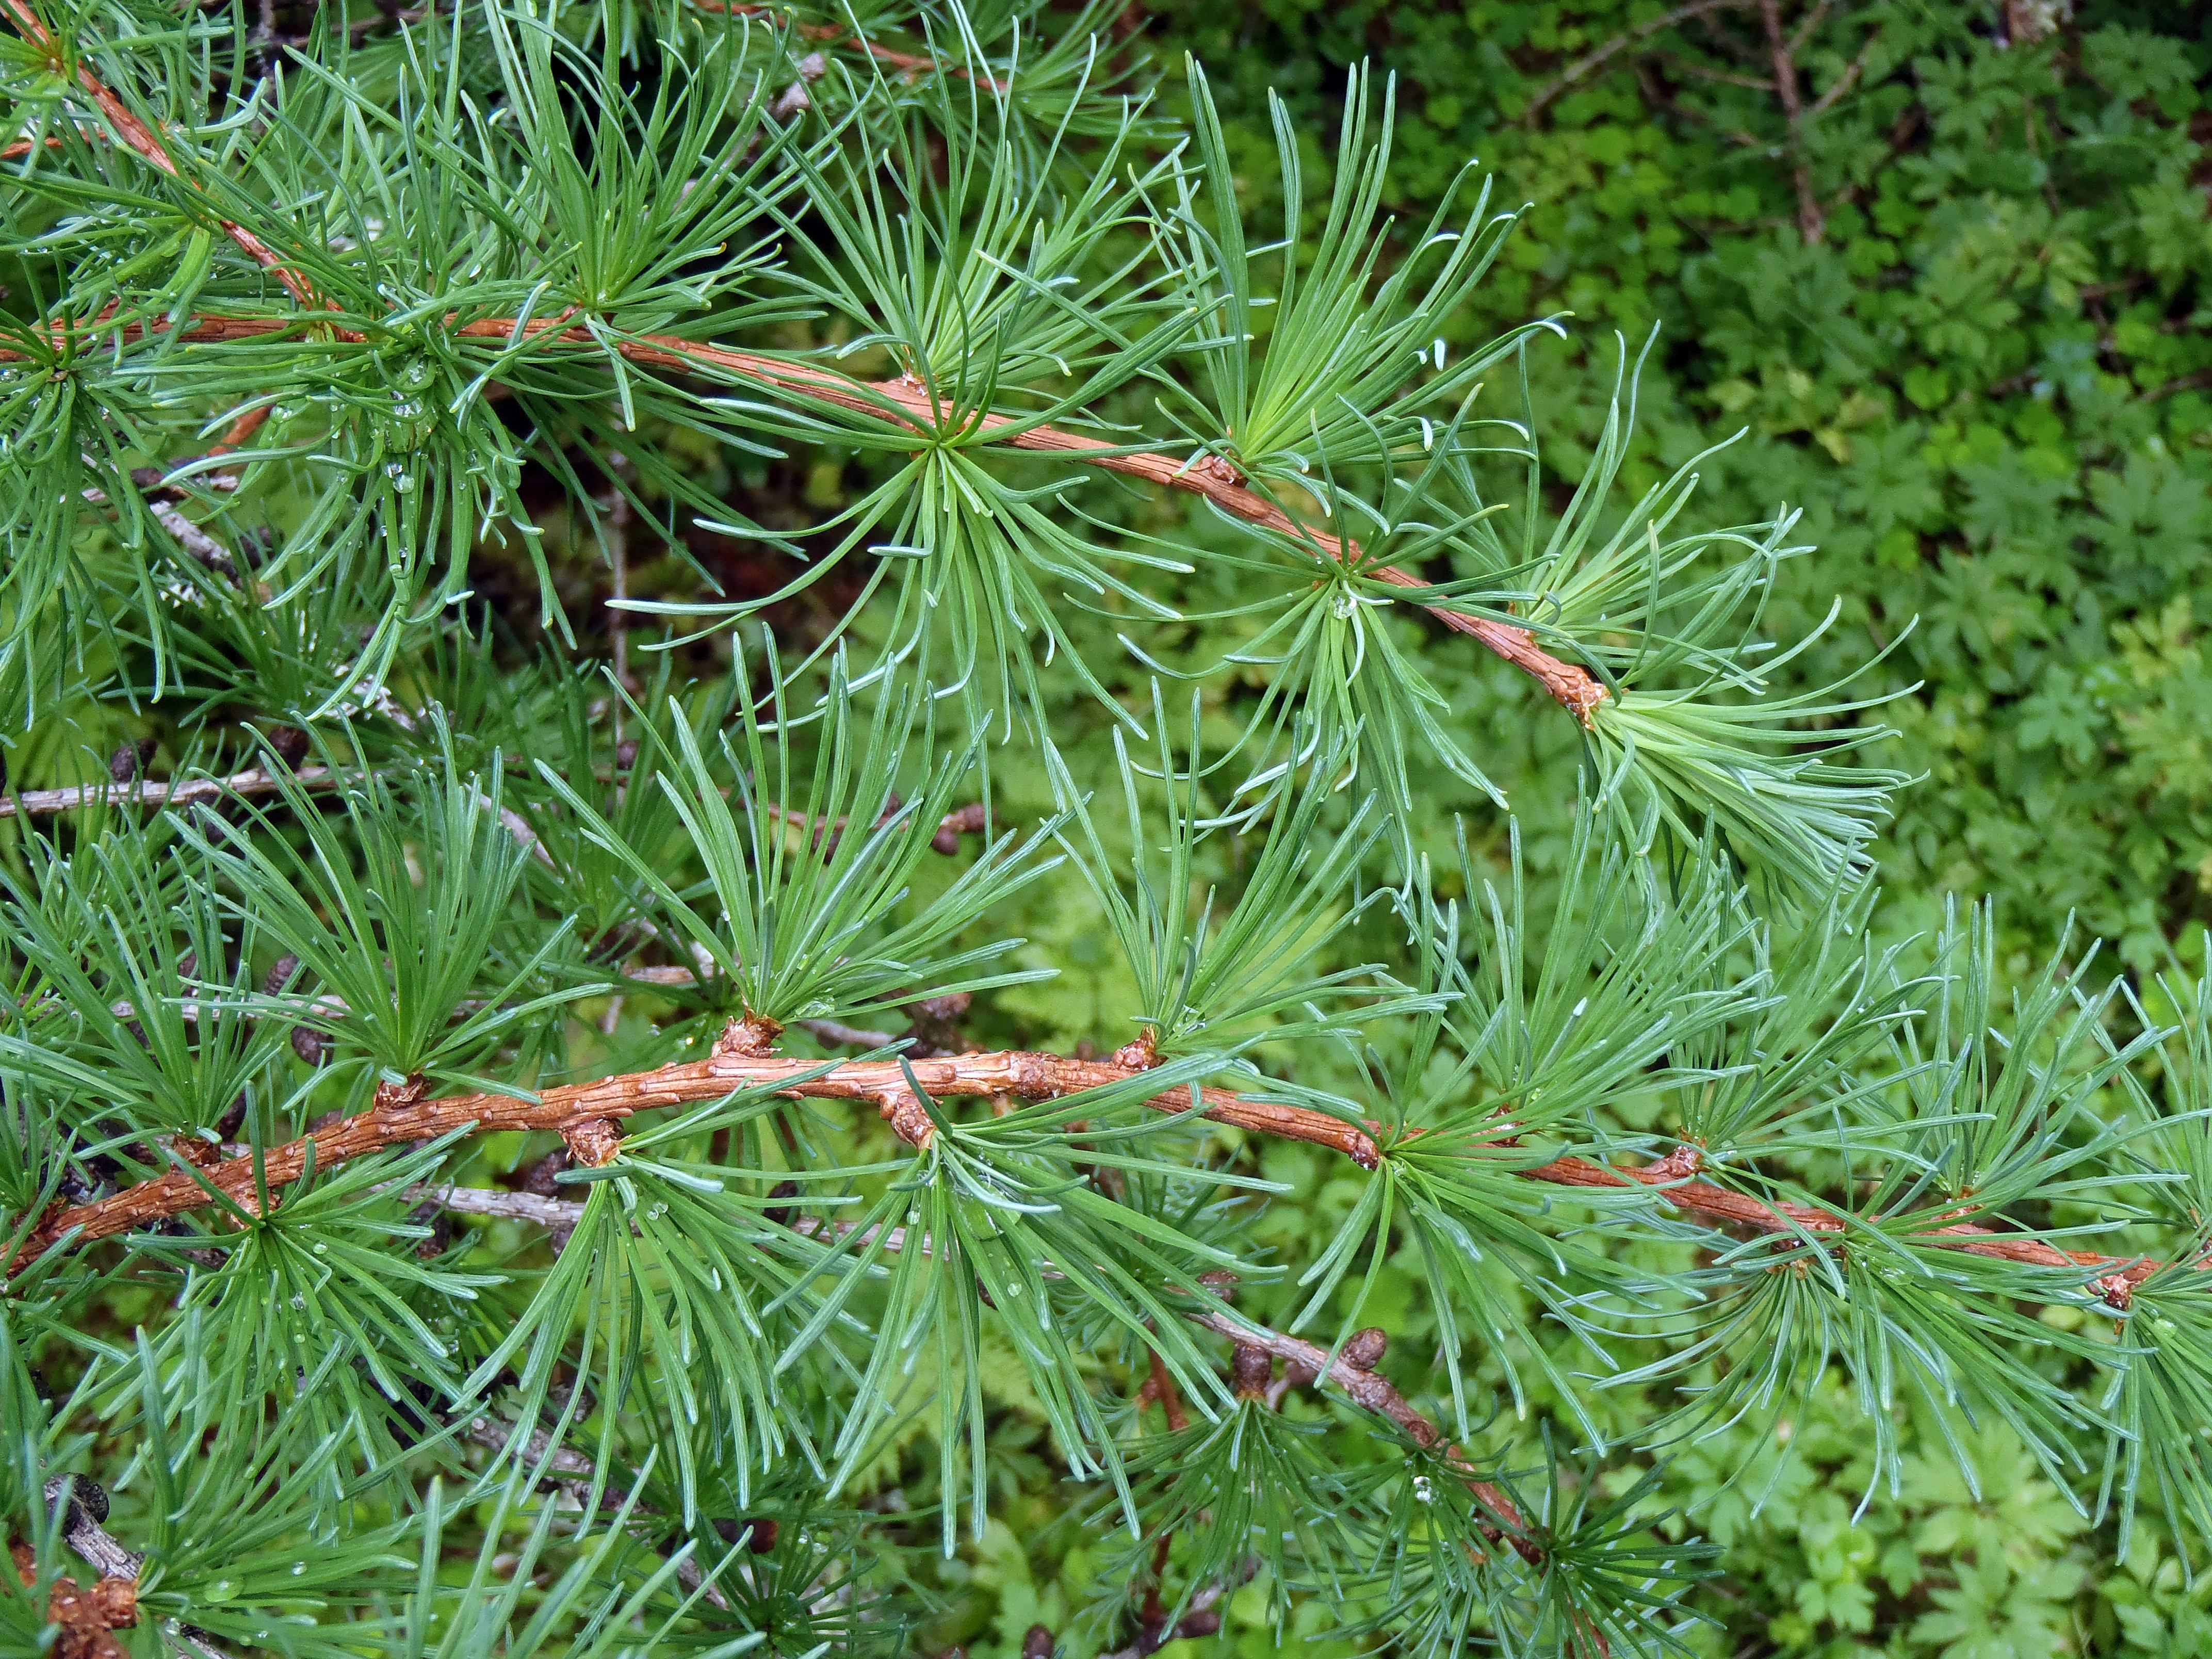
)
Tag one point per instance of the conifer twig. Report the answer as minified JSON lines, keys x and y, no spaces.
{"x":908,"y":404}
{"x":165,"y":792}
{"x":1372,"y":1391}
{"x":143,"y":140}
{"x":1572,"y":686}
{"x":1352,"y":1369}
{"x":397,"y":1120}
{"x":571,"y":1473}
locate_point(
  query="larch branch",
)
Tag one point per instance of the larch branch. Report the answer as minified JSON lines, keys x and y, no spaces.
{"x":143,"y":140}
{"x":397,"y":1119}
{"x":1574,"y":687}
{"x":908,"y":404}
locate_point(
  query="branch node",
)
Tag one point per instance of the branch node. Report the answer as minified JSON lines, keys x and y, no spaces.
{"x":967,"y":820}
{"x":393,"y":1097}
{"x":1364,"y":1350}
{"x":592,"y":1143}
{"x":1250,"y":1371}
{"x":85,"y":1616}
{"x":909,"y":1119}
{"x":1140,"y":1055}
{"x":753,"y":1037}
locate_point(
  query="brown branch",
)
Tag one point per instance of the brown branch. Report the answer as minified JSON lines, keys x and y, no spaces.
{"x":82,"y":1617}
{"x":141,"y":138}
{"x":1655,"y":96}
{"x":898,"y":400}
{"x":1160,"y":1385}
{"x":1803,"y":32}
{"x":1724,"y":77}
{"x":1848,"y":79}
{"x":2193,"y":381}
{"x":1620,"y":43}
{"x":2115,"y":1276}
{"x":241,"y":430}
{"x":588,"y":1110}
{"x":397,"y":1120}
{"x":907,"y":403}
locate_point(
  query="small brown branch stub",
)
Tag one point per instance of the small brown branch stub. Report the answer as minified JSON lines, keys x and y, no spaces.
{"x":85,"y":1616}
{"x":594,"y":1143}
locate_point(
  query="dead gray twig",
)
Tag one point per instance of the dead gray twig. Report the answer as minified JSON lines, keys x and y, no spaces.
{"x":1605,"y":54}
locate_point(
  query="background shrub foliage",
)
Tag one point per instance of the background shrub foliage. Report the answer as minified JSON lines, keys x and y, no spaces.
{"x":1943,"y":265}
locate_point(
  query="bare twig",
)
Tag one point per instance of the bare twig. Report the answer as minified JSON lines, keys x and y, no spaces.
{"x":1724,"y":77}
{"x":1848,"y":79}
{"x":1373,"y":1392}
{"x":1803,"y":32}
{"x":1582,"y":67}
{"x":194,"y":540}
{"x":2195,"y":381}
{"x":572,"y":1474}
{"x":1811,"y":222}
{"x":82,"y":1532}
{"x":558,"y":1215}
{"x":173,"y":791}
{"x":849,"y":1036}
